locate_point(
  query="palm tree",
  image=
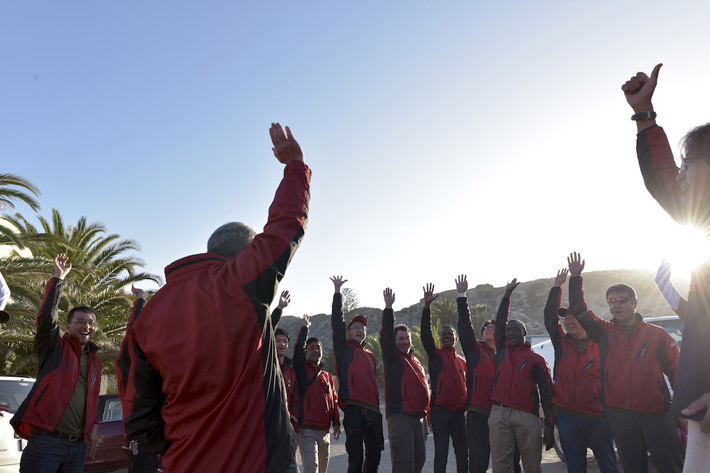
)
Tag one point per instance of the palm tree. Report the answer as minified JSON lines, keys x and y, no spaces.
{"x":101,"y":270}
{"x":9,"y":192}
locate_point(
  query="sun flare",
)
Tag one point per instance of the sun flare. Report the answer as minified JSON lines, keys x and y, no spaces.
{"x":686,"y":247}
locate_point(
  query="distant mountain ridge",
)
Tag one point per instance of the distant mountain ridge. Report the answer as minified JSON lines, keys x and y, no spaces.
{"x":527,"y":302}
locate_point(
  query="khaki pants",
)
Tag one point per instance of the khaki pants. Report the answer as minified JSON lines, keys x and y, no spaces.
{"x":697,"y":456}
{"x":314,"y":445}
{"x":507,"y":427}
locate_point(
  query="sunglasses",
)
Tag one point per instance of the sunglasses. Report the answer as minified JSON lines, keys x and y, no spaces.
{"x":617,"y":300}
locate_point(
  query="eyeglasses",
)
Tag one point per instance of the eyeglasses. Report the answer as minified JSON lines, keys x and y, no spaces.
{"x":617,"y":300}
{"x":90,"y":323}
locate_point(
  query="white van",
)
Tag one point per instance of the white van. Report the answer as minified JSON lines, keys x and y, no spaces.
{"x":13,"y":390}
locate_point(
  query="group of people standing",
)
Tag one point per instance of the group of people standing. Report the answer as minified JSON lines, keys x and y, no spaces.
{"x":200,"y":379}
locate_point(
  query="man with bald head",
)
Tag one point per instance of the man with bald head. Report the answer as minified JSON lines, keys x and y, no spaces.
{"x":520,"y":384}
{"x":204,"y":370}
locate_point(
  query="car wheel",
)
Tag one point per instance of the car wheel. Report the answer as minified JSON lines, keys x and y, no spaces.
{"x":558,"y":446}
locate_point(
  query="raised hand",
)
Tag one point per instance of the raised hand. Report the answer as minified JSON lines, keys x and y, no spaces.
{"x":461,"y":283}
{"x":62,"y":266}
{"x":338,"y":282}
{"x":561,"y":277}
{"x":306,"y":321}
{"x":510,"y":287}
{"x":284,"y":300}
{"x":575,"y":263}
{"x":639,"y":90}
{"x":286,"y":148}
{"x":139,"y":293}
{"x":429,"y":295}
{"x":389,"y":298}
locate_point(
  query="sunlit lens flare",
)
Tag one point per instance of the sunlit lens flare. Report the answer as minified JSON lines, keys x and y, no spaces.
{"x":687,"y":248}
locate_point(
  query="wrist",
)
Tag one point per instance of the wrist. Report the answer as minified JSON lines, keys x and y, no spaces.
{"x":643,"y":107}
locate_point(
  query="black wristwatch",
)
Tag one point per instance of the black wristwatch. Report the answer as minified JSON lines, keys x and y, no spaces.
{"x":643,"y":116}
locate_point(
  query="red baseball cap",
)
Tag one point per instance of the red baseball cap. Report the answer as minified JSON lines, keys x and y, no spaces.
{"x":358,"y":318}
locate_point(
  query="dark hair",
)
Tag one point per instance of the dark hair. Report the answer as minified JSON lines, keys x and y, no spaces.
{"x":696,"y":143}
{"x":400,"y":327}
{"x":449,"y":327}
{"x":230,"y":239}
{"x":486,"y":323}
{"x":314,"y":339}
{"x":521,"y":323}
{"x":282,"y":331}
{"x":81,"y":308}
{"x":622,"y":288}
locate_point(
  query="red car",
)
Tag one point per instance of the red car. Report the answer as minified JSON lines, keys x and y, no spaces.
{"x":110,"y":454}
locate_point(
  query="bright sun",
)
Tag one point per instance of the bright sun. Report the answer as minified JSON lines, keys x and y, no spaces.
{"x":686,"y":247}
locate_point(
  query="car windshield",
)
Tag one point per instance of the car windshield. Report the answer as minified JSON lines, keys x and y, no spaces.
{"x":14,"y":391}
{"x":674,"y":327}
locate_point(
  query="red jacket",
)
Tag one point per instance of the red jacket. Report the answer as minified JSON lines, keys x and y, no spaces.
{"x":480,"y":365}
{"x":520,"y":373}
{"x":632,"y":368}
{"x":204,"y":373}
{"x":59,"y":364}
{"x":447,"y":370}
{"x":289,"y":375}
{"x":406,"y":388}
{"x":317,"y":399}
{"x":577,"y":379}
{"x":354,"y":364}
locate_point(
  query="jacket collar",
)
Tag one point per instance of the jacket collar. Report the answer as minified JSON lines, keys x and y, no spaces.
{"x":190,"y":263}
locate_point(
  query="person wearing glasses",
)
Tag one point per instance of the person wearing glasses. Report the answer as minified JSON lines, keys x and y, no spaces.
{"x":60,"y":411}
{"x":683,"y":193}
{"x":634,"y":357}
{"x":479,"y":378}
{"x":579,"y":414}
{"x":358,"y":394}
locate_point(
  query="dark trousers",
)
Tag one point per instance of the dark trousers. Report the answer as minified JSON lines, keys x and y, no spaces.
{"x":407,"y":447}
{"x":636,"y":434}
{"x":479,"y":447}
{"x":363,"y":426}
{"x":579,"y":431}
{"x":447,"y":423}
{"x":51,"y":454}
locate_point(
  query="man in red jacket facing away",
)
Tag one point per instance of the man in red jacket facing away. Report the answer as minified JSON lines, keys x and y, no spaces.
{"x":204,"y":373}
{"x":317,"y":402}
{"x":358,"y":393}
{"x":406,"y":394}
{"x":579,"y":414}
{"x":59,"y":413}
{"x":520,"y":384}
{"x":635,"y":355}
{"x":447,"y":377}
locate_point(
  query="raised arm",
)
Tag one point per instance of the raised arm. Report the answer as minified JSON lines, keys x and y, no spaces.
{"x":337,"y":319}
{"x":427,"y":336}
{"x":284,"y":301}
{"x":670,"y":293}
{"x":467,"y":333}
{"x":389,"y":350}
{"x":123,"y":361}
{"x":577,"y":305}
{"x":638,"y":91}
{"x":265,"y":259}
{"x":502,"y":315}
{"x":552,"y":320}
{"x":299,"y":354}
{"x":47,"y":335}
{"x":4,"y":293}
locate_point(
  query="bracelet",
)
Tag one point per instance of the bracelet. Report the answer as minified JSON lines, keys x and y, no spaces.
{"x":643,"y":116}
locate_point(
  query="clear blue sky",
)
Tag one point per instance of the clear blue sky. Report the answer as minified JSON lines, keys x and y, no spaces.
{"x":444,"y":138}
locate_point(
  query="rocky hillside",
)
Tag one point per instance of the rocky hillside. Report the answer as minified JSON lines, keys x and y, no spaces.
{"x":527,"y":302}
